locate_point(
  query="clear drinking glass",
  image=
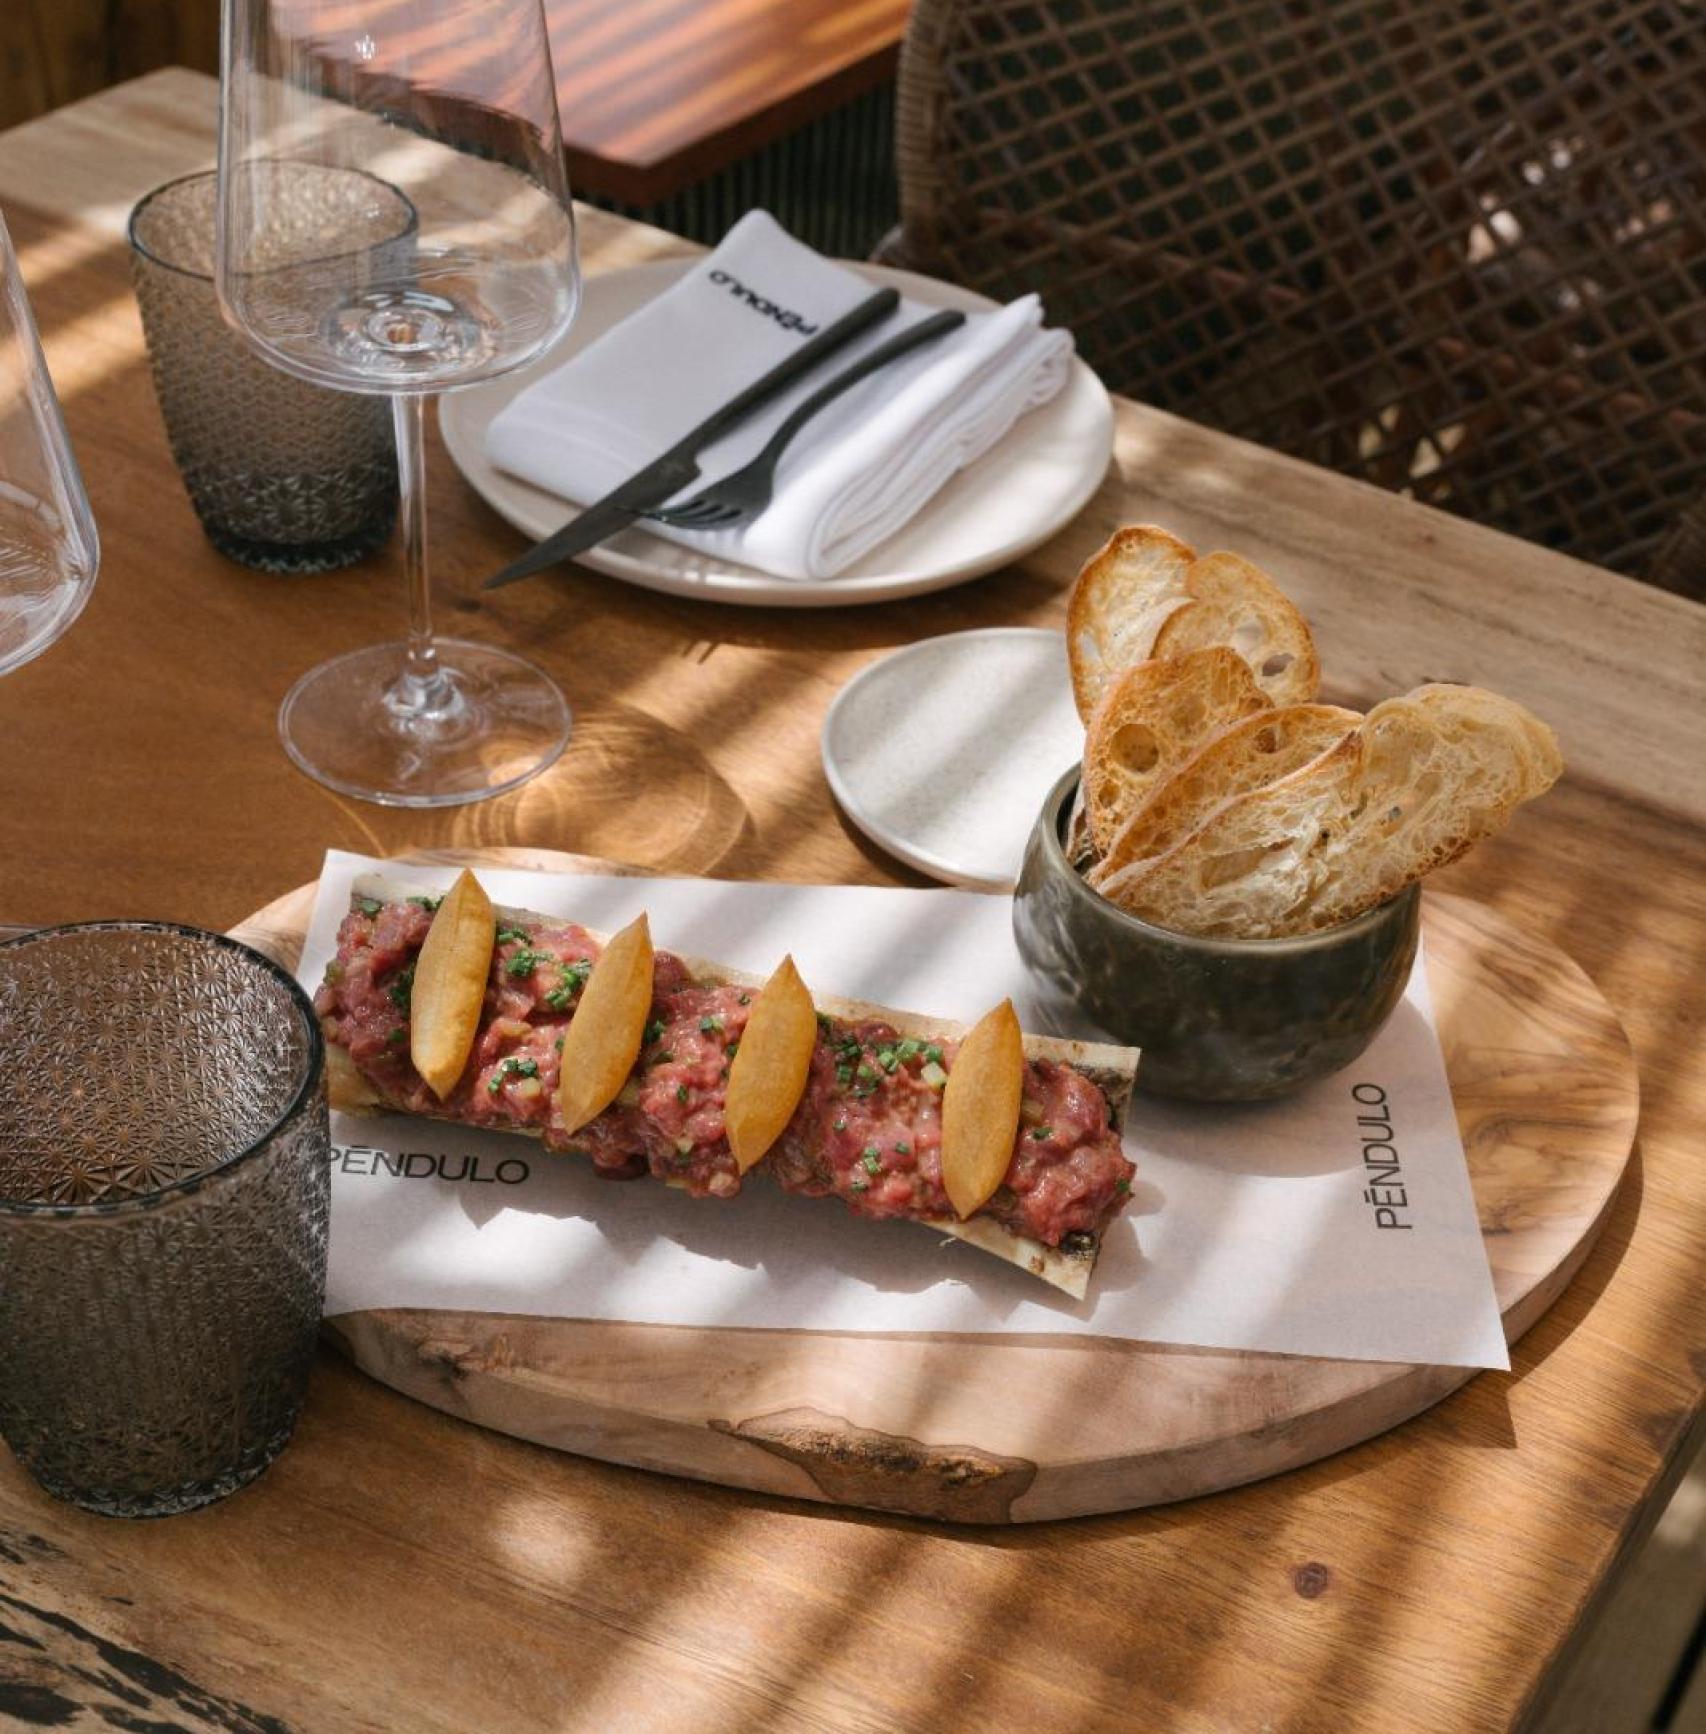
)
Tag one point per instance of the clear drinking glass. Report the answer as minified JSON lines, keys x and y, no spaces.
{"x":164,"y":1194}
{"x":452,"y":103}
{"x":48,"y":548}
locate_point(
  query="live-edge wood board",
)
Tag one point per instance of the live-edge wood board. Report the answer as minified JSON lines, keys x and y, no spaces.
{"x":1015,"y":1429}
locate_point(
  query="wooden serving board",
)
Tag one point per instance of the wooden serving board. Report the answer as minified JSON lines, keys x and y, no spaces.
{"x":1015,"y":1429}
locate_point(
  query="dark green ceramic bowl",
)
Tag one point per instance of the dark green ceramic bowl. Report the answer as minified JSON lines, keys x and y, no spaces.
{"x":1218,"y":1020}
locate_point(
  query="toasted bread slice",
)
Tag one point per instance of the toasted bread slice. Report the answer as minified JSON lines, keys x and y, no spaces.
{"x":1250,"y":753}
{"x":1124,"y":592}
{"x":1236,"y":603}
{"x":1147,"y":594}
{"x":1414,"y":786}
{"x":1151,"y":719}
{"x":1080,"y":848}
{"x":1252,"y":868}
{"x":1460,"y":706}
{"x":1444,"y":767}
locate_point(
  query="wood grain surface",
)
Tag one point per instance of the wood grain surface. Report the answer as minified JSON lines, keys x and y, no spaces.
{"x":398,"y":1566}
{"x":655,"y":95}
{"x":54,"y":51}
{"x":1547,"y":1100}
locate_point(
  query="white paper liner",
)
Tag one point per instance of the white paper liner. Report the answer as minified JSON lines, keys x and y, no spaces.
{"x":1249,"y":1227}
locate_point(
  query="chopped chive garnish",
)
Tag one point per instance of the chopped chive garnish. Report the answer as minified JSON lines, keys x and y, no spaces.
{"x":681,"y":1092}
{"x":933,"y":1054}
{"x":508,"y":933}
{"x":653,"y":1030}
{"x":574,"y":979}
{"x":872,"y":1161}
{"x":709,"y":1026}
{"x":371,"y":906}
{"x":399,"y":1034}
{"x":841,"y":1124}
{"x":511,"y":1068}
{"x":903,"y":1149}
{"x":1122,"y":1186}
{"x":746,"y":999}
{"x":429,"y":904}
{"x":1042,"y":1133}
{"x":399,"y":991}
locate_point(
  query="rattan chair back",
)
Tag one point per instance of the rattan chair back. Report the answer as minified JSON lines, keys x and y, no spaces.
{"x":1454,"y":247}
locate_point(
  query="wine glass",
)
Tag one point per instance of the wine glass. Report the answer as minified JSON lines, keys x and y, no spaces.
{"x":49,"y":551}
{"x":335,"y":115}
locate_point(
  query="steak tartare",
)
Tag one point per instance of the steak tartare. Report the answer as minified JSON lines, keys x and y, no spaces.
{"x":868,"y":1129}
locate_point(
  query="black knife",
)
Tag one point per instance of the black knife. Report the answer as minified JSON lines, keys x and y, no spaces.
{"x":677,"y":467}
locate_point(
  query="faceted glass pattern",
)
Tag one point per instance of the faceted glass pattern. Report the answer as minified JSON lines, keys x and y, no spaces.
{"x":285,"y":476}
{"x":164,"y":1194}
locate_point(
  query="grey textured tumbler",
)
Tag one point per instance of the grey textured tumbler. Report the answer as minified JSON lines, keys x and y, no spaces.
{"x":285,"y":476}
{"x":164,"y":1194}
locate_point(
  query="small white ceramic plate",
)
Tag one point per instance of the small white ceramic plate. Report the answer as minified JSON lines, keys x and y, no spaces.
{"x":942,"y":752}
{"x":1016,"y":496}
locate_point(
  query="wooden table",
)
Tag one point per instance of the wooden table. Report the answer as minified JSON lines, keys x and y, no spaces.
{"x":657,"y":94}
{"x":688,"y":113}
{"x":400,"y":1569}
{"x":661,"y":94}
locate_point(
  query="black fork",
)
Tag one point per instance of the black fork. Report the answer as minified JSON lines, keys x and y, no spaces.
{"x":740,"y":497}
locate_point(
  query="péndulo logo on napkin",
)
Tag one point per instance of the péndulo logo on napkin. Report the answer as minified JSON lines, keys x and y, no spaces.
{"x":784,"y":316}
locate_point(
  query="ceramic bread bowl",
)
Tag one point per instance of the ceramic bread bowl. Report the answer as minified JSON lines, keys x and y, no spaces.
{"x":1217,"y":1019}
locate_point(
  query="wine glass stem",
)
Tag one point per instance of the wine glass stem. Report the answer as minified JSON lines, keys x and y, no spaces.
{"x":423,"y":692}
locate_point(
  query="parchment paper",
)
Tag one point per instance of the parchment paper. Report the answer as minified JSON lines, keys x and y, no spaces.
{"x":1339,"y":1223}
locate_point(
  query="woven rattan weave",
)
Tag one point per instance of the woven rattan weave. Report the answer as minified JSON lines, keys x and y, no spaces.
{"x":1455,"y":247}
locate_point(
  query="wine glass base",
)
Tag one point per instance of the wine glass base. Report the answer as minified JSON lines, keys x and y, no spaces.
{"x":356,"y":725}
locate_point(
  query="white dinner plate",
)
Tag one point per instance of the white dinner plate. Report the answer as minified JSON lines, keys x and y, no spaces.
{"x":941,"y":753}
{"x":1033,"y":483}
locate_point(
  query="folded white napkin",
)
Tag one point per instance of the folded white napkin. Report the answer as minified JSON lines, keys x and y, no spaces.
{"x":854,"y":475}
